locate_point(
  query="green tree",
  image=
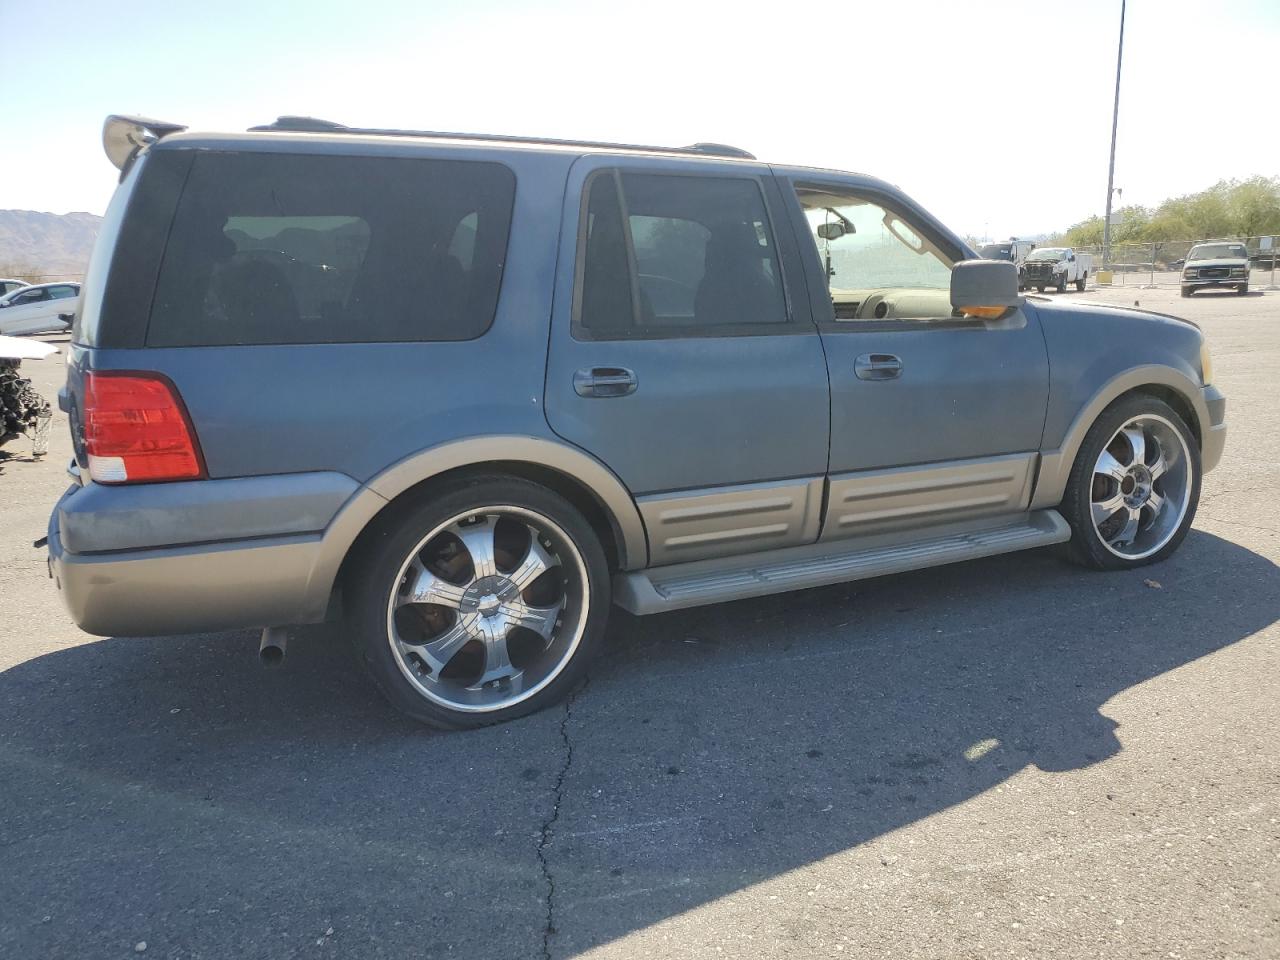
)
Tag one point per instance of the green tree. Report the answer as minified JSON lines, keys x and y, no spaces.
{"x":1083,"y":234}
{"x":1254,"y":206}
{"x":1229,"y":208}
{"x":1130,"y":227}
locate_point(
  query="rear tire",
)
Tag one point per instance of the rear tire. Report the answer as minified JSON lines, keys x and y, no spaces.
{"x":1134,"y":487}
{"x":481,"y":601}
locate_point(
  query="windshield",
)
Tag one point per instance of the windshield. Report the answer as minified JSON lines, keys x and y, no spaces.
{"x":1048,"y":253}
{"x":1218,"y":251}
{"x":997,"y":251}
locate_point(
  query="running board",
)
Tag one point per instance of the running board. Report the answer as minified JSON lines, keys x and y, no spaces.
{"x":714,"y":581}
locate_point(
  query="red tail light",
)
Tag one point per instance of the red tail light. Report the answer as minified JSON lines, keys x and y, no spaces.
{"x":136,"y":430}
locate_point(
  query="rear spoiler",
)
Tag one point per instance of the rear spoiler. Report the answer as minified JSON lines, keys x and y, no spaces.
{"x":124,"y":137}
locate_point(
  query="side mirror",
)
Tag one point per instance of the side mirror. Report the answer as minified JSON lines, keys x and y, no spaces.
{"x":984,"y":288}
{"x":831,"y":231}
{"x":1072,"y":258}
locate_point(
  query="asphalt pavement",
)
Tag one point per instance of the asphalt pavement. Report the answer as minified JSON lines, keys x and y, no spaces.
{"x":1011,"y":757}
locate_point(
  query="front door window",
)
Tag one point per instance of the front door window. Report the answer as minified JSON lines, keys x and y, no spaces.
{"x":878,"y":266}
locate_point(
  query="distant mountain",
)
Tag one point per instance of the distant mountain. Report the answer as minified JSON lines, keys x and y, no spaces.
{"x":57,"y":245}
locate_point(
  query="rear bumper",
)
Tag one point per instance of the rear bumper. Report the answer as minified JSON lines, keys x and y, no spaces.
{"x":156,"y":559}
{"x":189,"y":589}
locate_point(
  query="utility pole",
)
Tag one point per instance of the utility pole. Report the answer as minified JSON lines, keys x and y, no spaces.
{"x":1111,"y":167}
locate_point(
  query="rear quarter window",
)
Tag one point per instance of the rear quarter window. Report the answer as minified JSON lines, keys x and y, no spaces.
{"x":277,"y":248}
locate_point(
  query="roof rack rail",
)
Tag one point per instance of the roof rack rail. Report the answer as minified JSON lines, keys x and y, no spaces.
{"x":718,"y":150}
{"x":292,"y":124}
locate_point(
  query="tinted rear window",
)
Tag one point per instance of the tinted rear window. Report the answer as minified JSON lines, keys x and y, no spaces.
{"x":278,"y":248}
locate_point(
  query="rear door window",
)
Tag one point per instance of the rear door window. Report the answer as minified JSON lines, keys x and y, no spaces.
{"x":665,"y":256}
{"x":279,"y":248}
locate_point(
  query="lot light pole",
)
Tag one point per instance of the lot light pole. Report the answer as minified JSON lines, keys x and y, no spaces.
{"x":1111,"y":167}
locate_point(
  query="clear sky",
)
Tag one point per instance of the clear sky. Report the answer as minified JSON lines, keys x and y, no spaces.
{"x":996,"y":115}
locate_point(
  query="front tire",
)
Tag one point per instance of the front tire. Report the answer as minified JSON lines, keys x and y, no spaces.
{"x":1062,"y":284}
{"x":1134,"y":487}
{"x":1242,"y":290}
{"x":1188,"y":291}
{"x":481,"y":601}
{"x":1081,"y":283}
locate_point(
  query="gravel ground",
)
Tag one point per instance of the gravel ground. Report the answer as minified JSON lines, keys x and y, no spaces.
{"x":1005,"y":758}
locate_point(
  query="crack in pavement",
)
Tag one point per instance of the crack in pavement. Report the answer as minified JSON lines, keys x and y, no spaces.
{"x":544,"y":837}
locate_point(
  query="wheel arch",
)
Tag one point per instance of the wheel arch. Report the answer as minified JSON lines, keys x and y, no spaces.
{"x":1165,"y":383}
{"x":585,"y":482}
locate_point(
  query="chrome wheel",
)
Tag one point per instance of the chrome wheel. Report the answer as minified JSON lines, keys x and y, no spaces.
{"x":488,"y":608}
{"x":1141,"y":487}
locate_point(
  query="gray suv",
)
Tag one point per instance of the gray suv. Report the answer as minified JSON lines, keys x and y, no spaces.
{"x":467,"y":392}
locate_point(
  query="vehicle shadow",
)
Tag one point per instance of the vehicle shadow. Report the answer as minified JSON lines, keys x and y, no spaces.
{"x":171,"y":790}
{"x":1228,"y":294}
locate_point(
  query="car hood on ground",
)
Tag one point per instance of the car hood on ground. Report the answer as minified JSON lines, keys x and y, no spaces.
{"x":18,"y":348}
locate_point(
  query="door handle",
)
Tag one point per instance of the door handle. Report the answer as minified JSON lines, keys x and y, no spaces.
{"x":604,"y":382}
{"x":877,"y":366}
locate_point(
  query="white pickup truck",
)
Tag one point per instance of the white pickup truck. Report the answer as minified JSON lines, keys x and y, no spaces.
{"x":1056,"y":267}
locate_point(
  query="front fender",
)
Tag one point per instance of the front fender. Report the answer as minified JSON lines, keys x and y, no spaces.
{"x":1055,"y":464}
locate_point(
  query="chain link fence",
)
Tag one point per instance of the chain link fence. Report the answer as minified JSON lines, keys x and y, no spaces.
{"x":41,"y":277}
{"x":1142,"y":265}
{"x":1159,"y":264}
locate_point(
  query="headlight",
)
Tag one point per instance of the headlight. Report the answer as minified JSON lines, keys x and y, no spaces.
{"x":1237,"y":271}
{"x":1190,"y":274}
{"x":1206,"y":365}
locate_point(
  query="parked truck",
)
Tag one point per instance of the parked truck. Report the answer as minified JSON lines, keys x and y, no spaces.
{"x":1015,"y":251}
{"x":1056,"y":267}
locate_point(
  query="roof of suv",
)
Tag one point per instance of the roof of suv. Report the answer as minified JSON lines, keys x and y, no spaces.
{"x":313,"y":125}
{"x":123,"y":133}
{"x":139,"y":130}
{"x":251,"y":139}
